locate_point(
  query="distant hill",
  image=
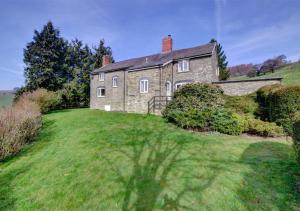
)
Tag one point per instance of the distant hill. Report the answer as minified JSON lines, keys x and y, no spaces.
{"x":6,"y":97}
{"x":289,"y":73}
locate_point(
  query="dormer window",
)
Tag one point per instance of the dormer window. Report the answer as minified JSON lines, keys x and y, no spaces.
{"x":183,"y":65}
{"x":101,"y":76}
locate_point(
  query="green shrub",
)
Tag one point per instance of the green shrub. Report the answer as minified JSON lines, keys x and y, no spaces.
{"x":242,"y":104}
{"x":296,"y":139}
{"x":263,"y":99}
{"x":284,"y":103}
{"x":208,"y":94}
{"x":187,"y":112}
{"x":261,"y":128}
{"x":225,"y":122}
{"x":46,"y":100}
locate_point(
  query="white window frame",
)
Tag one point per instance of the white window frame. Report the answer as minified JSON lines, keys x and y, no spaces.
{"x":180,"y":84}
{"x":144,"y":86}
{"x":99,"y":92}
{"x":115,"y":81}
{"x":183,"y":65}
{"x":101,"y":76}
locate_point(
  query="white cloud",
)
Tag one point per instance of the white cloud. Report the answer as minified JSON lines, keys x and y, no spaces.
{"x":279,"y":33}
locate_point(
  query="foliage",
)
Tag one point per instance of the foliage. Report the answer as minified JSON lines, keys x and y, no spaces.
{"x":226,"y":122}
{"x":46,"y":100}
{"x":18,"y":125}
{"x":100,"y":51}
{"x":242,"y":104}
{"x":296,"y":139}
{"x":73,"y":95}
{"x":271,"y":64}
{"x":284,"y":103}
{"x":261,"y":128}
{"x":263,"y":99}
{"x":54,"y":64}
{"x":44,"y":58}
{"x":209,"y":94}
{"x":199,"y":106}
{"x":222,"y":61}
{"x":289,"y":72}
{"x":242,"y":69}
{"x":92,"y":160}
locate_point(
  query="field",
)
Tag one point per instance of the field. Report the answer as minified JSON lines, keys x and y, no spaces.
{"x":6,"y":99}
{"x":92,"y":160}
{"x":290,"y":75}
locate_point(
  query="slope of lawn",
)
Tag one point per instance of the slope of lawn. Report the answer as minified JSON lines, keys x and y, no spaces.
{"x":88,"y":159}
{"x":290,"y":75}
{"x":6,"y":100}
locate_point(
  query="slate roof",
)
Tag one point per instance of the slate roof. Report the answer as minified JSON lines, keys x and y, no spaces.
{"x":158,"y":59}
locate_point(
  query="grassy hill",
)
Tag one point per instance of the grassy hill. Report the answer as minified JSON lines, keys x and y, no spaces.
{"x":290,"y":75}
{"x":92,"y":160}
{"x":6,"y":98}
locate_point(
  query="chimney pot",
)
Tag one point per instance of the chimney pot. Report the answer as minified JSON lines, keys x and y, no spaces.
{"x":167,"y":44}
{"x":106,"y":60}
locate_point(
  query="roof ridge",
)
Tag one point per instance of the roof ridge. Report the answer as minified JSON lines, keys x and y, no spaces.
{"x":158,"y":57}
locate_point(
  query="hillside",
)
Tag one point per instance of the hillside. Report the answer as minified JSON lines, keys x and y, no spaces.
{"x":92,"y":160}
{"x":6,"y":98}
{"x":290,"y":75}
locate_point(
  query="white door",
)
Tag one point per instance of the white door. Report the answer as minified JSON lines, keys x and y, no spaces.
{"x":168,"y":88}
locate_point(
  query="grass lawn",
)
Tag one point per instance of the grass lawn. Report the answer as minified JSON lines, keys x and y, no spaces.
{"x":88,"y":159}
{"x":290,"y":75}
{"x":6,"y":100}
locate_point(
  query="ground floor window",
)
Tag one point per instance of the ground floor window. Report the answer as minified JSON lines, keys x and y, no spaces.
{"x":144,"y":86}
{"x":101,"y":92}
{"x":178,"y":85}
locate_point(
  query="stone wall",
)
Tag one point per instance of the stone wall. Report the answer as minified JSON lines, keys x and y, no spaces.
{"x":114,"y":96}
{"x":239,"y":88}
{"x":136,"y":101}
{"x":127,"y":96}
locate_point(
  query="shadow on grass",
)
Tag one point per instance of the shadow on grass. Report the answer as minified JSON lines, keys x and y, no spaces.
{"x":7,"y":177}
{"x":161,"y":173}
{"x":271,"y":182}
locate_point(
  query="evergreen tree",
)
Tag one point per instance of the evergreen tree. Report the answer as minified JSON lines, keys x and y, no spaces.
{"x":99,"y":52}
{"x":44,"y":58}
{"x":224,"y":73}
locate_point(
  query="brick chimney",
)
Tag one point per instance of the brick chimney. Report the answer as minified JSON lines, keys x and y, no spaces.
{"x":106,"y":60}
{"x":167,"y":44}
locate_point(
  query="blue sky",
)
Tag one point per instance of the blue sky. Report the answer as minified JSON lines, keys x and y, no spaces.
{"x":250,"y":31}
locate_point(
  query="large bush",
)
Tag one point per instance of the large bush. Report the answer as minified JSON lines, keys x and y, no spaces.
{"x":263,"y":99}
{"x":225,"y":122}
{"x":200,"y":106}
{"x":284,"y":103}
{"x":242,"y":104}
{"x":46,"y":100}
{"x":18,"y":125}
{"x":208,"y":94}
{"x":296,"y":138}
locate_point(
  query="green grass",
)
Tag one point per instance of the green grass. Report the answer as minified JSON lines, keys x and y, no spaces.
{"x":290,"y":75}
{"x":6,"y":100}
{"x":92,"y":160}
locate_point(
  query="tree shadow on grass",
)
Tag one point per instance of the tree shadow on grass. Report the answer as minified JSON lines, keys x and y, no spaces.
{"x":161,"y":176}
{"x":271,"y":182}
{"x":7,"y":177}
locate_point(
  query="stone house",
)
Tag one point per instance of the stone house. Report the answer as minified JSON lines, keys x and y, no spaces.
{"x":146,"y":83}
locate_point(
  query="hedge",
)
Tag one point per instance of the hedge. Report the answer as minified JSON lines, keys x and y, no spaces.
{"x":296,"y":138}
